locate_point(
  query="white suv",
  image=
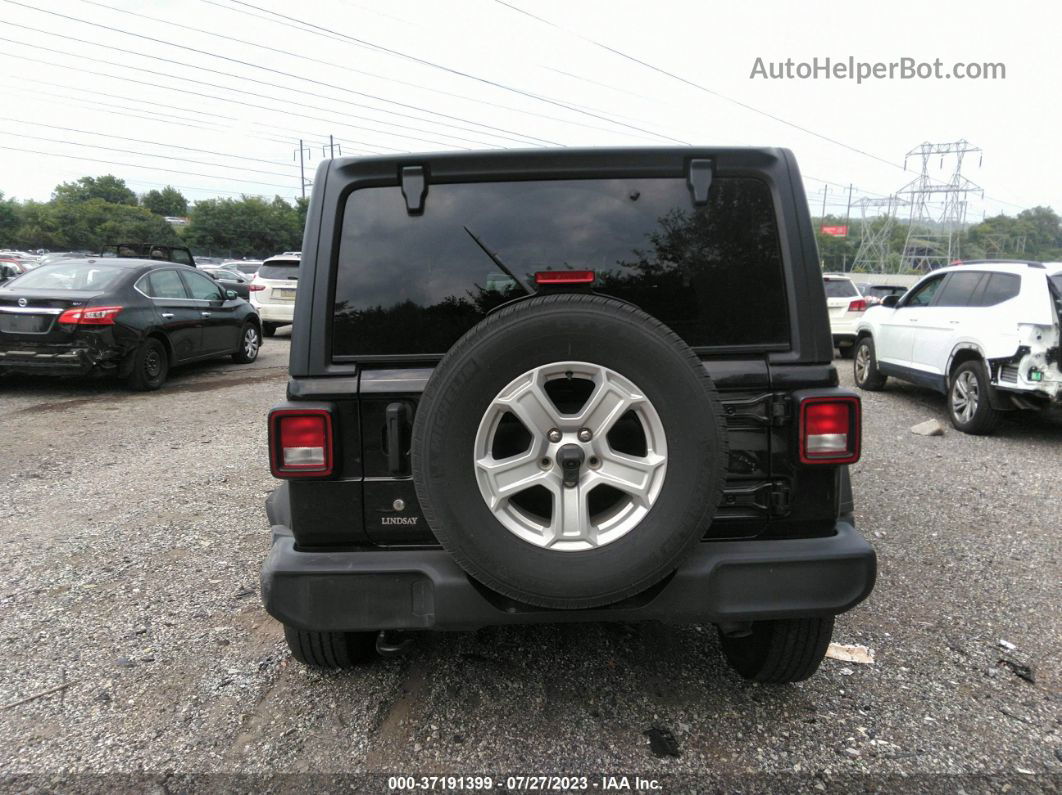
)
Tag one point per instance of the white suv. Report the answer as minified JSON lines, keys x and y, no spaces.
{"x":986,"y":334}
{"x":273,"y":291}
{"x":846,"y":306}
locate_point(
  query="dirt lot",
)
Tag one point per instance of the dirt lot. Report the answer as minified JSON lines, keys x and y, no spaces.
{"x":134,"y":529}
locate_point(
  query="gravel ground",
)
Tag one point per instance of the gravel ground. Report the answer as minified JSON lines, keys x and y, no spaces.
{"x":134,"y":530}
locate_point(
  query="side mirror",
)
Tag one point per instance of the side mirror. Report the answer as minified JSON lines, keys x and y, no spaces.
{"x":230,"y":294}
{"x":890,"y":300}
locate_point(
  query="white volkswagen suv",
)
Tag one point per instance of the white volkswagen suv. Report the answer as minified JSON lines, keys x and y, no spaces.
{"x":986,"y":334}
{"x":273,"y":291}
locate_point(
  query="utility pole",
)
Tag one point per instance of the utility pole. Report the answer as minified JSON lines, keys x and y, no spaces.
{"x":300,"y":153}
{"x":848,"y":212}
{"x":332,"y":146}
{"x":825,"y":191}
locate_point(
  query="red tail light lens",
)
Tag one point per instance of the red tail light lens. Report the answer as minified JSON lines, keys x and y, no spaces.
{"x":254,"y":288}
{"x":300,"y":443}
{"x":90,"y":316}
{"x":858,"y":305}
{"x":564,"y":277}
{"x":830,"y":430}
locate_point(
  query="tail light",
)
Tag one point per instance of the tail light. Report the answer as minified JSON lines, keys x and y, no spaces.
{"x":564,"y":277}
{"x":830,"y":430}
{"x":90,"y":316}
{"x":858,"y":305}
{"x":254,"y":288}
{"x":300,"y":443}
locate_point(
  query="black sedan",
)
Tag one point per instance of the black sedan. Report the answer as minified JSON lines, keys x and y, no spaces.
{"x":127,"y":317}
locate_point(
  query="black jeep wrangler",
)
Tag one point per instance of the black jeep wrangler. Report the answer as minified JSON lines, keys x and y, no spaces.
{"x":578,"y":385}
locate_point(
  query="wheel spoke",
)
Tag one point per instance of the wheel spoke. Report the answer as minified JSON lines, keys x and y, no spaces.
{"x":509,"y":476}
{"x":607,"y":403}
{"x":531,"y":405}
{"x":571,"y":517}
{"x":629,"y":474}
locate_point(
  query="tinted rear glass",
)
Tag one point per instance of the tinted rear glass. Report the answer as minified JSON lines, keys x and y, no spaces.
{"x":1001,"y":287}
{"x":279,"y":270}
{"x":839,"y":288}
{"x":414,"y":284}
{"x":959,"y":288}
{"x":69,"y":276}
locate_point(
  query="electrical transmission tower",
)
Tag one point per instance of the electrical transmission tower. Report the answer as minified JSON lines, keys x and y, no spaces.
{"x":875,"y":233}
{"x":933,"y":235}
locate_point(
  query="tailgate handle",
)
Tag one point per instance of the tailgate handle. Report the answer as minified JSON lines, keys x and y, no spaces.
{"x":397,"y":420}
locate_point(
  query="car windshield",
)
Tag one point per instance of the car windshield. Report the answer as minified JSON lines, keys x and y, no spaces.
{"x":280,"y":270}
{"x":839,"y":288}
{"x":69,"y":276}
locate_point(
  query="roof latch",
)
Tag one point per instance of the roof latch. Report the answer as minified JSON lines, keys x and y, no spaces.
{"x":414,"y":188}
{"x":700,"y":180}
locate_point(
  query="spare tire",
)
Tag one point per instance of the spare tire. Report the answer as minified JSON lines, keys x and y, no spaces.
{"x":569,"y":451}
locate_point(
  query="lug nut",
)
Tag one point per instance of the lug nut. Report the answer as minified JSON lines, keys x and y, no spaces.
{"x":554,"y":435}
{"x":593,"y":462}
{"x":545,"y":463}
{"x":585,"y":435}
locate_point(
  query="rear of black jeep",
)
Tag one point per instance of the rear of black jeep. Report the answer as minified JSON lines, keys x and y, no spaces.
{"x":564,"y":386}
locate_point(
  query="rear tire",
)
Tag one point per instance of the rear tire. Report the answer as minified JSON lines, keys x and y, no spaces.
{"x":250,"y":344}
{"x":151,"y":365}
{"x":330,"y":649}
{"x":779,"y":652}
{"x":269,"y":329}
{"x":865,"y":366}
{"x":968,"y":405}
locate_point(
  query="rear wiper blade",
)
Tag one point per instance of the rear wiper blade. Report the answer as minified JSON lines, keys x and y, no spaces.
{"x":498,"y":262}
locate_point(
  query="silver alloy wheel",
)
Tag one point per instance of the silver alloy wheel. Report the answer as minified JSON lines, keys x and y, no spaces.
{"x":250,"y":343}
{"x":637,"y":478}
{"x":862,"y":363}
{"x":965,"y":396}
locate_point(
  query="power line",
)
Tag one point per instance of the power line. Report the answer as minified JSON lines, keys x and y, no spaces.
{"x":196,"y":121}
{"x":136,"y":165}
{"x":451,"y":70}
{"x":713,"y":92}
{"x":149,"y":154}
{"x":226,"y":100}
{"x":293,"y":54}
{"x":300,"y":78}
{"x":152,"y":143}
{"x":238,"y":77}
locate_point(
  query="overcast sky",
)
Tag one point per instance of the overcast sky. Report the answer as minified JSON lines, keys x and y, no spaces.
{"x":559,"y":84}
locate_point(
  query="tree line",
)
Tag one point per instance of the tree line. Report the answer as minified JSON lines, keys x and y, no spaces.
{"x":92,"y":213}
{"x":1033,"y":234}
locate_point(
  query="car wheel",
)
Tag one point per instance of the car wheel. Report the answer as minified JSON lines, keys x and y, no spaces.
{"x":778,"y":652}
{"x":569,"y":451}
{"x":968,"y":405}
{"x":330,"y":649}
{"x":250,"y":344}
{"x":269,"y":329}
{"x":865,"y":366}
{"x":151,"y":365}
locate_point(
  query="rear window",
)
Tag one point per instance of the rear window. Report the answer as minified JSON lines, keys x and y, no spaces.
{"x":279,"y":270}
{"x":840,"y":288}
{"x":414,"y":284}
{"x":69,"y":276}
{"x":1001,"y":287}
{"x":959,"y":288}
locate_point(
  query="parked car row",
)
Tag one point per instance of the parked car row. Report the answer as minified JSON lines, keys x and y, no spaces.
{"x":984,"y":334}
{"x":138,"y":312}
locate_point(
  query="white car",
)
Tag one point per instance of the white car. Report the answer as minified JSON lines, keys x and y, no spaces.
{"x":248,"y":267}
{"x":985,"y":334}
{"x":846,"y":307}
{"x":273,"y":292}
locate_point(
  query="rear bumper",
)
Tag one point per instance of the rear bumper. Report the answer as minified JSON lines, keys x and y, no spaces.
{"x":722,"y":581}
{"x":56,"y":359}
{"x":275,"y":313}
